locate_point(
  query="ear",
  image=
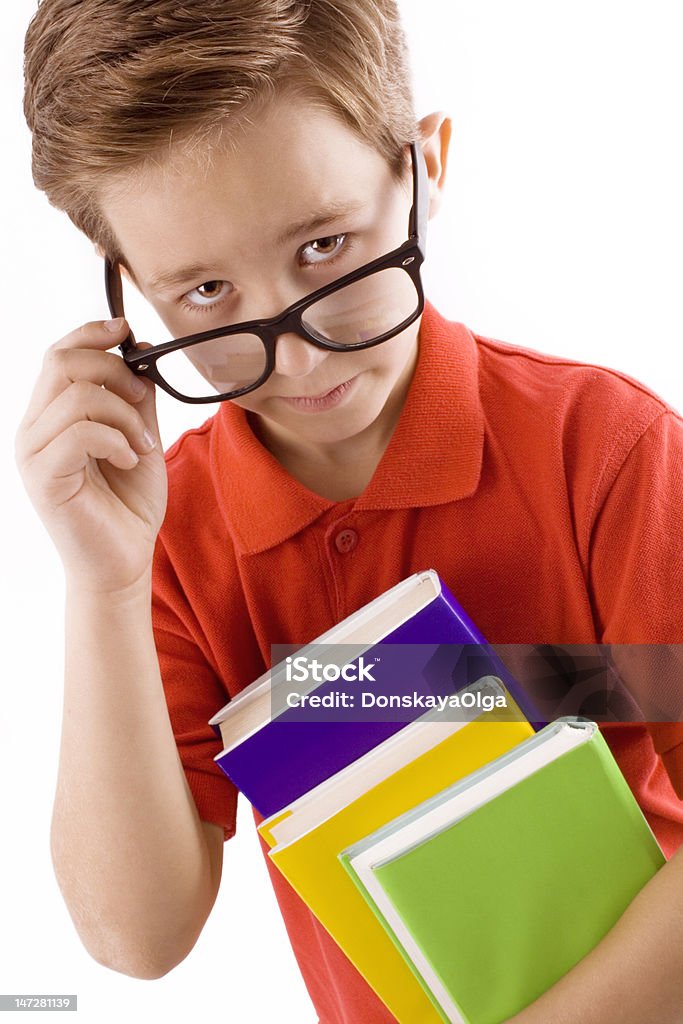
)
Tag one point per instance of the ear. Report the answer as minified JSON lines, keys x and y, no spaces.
{"x":435,"y":137}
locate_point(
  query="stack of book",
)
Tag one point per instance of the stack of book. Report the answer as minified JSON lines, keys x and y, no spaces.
{"x":463,"y":862}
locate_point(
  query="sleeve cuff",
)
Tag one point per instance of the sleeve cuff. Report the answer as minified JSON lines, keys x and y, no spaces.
{"x":215,"y":798}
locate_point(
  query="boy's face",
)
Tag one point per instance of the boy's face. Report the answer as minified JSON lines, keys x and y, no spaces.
{"x":299,"y":202}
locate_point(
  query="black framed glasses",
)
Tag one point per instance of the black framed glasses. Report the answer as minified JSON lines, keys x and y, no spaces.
{"x":363,"y":308}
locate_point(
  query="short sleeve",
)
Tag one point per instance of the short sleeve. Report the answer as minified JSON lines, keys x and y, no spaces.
{"x":637,"y":582}
{"x":194,"y":692}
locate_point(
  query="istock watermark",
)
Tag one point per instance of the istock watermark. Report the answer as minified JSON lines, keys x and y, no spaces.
{"x":387,"y":683}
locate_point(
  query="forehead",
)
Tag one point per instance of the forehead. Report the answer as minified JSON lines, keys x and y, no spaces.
{"x":292,"y":161}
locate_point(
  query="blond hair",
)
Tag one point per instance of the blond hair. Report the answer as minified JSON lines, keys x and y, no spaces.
{"x":112,"y":83}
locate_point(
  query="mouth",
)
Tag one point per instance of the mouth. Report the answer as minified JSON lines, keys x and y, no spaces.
{"x":322,"y":401}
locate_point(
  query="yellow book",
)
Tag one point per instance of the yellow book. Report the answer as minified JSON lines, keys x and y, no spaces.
{"x":306,"y":838}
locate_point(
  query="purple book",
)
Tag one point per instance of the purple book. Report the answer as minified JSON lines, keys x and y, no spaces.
{"x":273,"y":755}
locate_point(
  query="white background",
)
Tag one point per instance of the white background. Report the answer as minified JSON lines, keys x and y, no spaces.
{"x":561,"y":231}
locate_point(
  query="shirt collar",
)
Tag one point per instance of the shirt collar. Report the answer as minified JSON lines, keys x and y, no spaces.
{"x":434,"y":455}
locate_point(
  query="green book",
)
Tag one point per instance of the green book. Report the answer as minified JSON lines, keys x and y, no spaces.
{"x":497,"y":886}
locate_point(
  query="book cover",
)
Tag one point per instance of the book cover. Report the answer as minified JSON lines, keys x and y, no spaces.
{"x":419,"y":611}
{"x":308,"y":836}
{"x":499,"y":885}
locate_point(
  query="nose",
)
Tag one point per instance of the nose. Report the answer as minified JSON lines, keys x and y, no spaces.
{"x":296,"y":357}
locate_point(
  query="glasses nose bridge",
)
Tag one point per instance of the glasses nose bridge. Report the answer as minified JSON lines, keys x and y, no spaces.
{"x":287,"y":323}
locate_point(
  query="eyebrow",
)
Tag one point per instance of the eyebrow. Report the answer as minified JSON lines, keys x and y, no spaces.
{"x":314,"y":222}
{"x":306,"y":226}
{"x":165,"y":279}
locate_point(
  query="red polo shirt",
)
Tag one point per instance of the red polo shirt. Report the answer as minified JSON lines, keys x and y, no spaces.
{"x":547,"y":494}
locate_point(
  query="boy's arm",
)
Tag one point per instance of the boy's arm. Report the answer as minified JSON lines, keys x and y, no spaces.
{"x":138,"y":868}
{"x":635,"y":974}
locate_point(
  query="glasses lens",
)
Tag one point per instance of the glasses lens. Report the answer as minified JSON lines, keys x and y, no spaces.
{"x":214,"y":367}
{"x":365,"y":310}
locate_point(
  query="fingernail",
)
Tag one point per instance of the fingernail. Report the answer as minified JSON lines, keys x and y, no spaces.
{"x":138,"y":385}
{"x":149,"y":439}
{"x":114,"y":325}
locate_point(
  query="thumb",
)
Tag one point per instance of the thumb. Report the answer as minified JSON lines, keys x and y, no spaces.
{"x":147,"y":405}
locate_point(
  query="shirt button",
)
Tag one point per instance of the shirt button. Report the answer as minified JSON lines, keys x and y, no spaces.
{"x":345,"y":541}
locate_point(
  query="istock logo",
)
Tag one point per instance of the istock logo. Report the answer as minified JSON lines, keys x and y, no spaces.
{"x":303,"y":669}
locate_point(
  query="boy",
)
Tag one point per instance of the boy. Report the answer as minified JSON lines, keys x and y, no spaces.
{"x":231,"y":158}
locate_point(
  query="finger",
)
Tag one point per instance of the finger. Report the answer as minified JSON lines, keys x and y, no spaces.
{"x":101,"y":334}
{"x":64,"y":365}
{"x":147,"y":409}
{"x":84,"y":400}
{"x":69,"y":454}
{"x":147,"y":405}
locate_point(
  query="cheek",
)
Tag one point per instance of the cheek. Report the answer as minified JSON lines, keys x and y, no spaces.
{"x":249,"y":403}
{"x":389,"y":360}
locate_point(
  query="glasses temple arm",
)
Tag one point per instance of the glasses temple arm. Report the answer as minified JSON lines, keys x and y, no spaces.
{"x":419,"y":211}
{"x":114,"y":291}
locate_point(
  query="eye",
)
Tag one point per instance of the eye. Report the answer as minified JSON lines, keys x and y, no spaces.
{"x":323,"y":250}
{"x":208,"y":293}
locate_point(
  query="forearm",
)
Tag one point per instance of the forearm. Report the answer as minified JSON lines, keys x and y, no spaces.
{"x":127,"y":843}
{"x":635,"y":974}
